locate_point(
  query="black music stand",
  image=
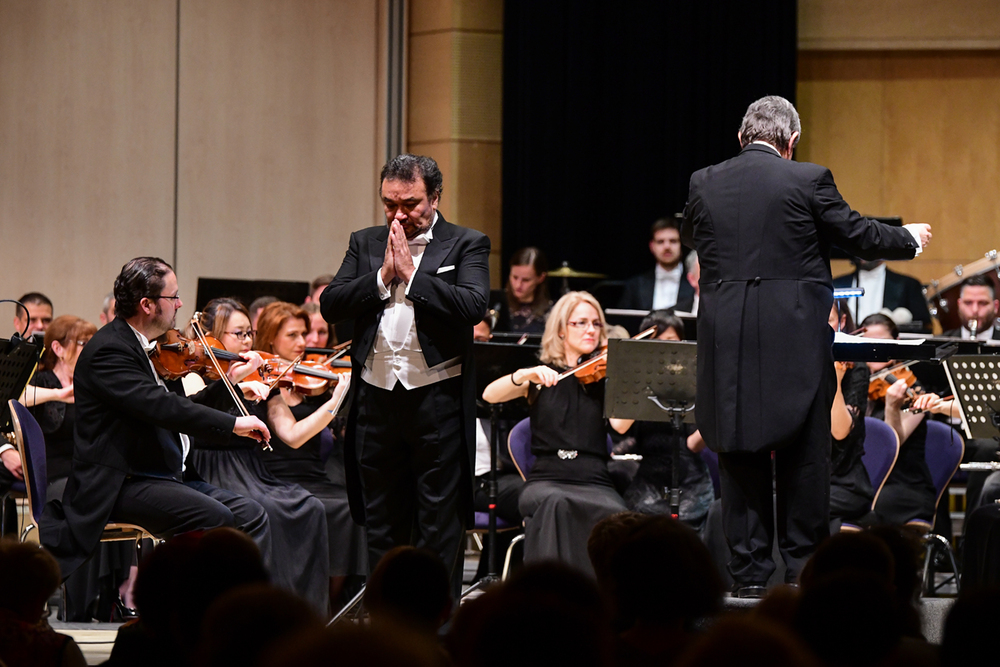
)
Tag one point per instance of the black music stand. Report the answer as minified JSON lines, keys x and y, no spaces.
{"x":17,"y":361}
{"x":975,"y":384}
{"x":494,"y":360}
{"x":654,"y":380}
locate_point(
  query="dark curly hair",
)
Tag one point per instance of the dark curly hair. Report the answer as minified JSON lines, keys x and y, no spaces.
{"x":408,"y":168}
{"x":140,"y":277}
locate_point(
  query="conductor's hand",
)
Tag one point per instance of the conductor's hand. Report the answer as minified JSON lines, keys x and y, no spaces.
{"x":922,"y":231}
{"x":542,"y":375}
{"x":251,"y":427}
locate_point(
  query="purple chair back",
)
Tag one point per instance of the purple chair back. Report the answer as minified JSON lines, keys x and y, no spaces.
{"x":711,"y":459}
{"x":519,"y":446}
{"x":881,"y":450}
{"x":483,"y":522}
{"x":29,"y":435}
{"x":943,"y":451}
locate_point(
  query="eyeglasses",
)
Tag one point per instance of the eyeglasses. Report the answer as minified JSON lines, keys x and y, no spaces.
{"x":240,"y":335}
{"x":175,"y":297}
{"x":583,"y":324}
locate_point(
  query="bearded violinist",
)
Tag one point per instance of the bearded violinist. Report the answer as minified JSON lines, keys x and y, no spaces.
{"x":128,"y":457}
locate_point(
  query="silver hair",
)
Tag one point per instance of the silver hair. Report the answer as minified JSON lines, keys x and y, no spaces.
{"x":772,"y":119}
{"x":106,"y":306}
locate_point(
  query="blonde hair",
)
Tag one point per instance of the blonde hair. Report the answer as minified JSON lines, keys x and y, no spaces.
{"x":553,"y":349}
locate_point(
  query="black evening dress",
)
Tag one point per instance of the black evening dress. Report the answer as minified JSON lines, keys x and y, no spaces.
{"x":655,"y":442}
{"x":569,"y":489}
{"x":851,"y":492}
{"x":299,"y":541}
{"x":908,"y":493}
{"x":305,"y":466}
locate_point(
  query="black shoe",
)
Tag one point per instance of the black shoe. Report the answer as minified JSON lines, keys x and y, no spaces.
{"x":122,"y":612}
{"x":752,"y":591}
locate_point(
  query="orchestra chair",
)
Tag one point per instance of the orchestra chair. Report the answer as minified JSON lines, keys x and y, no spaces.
{"x":31,"y":446}
{"x":879,"y":458}
{"x":943,"y":452}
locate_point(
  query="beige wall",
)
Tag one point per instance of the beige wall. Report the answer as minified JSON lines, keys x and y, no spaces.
{"x":913,"y":134}
{"x":455,"y":107}
{"x":901,"y":99}
{"x":278,"y":140}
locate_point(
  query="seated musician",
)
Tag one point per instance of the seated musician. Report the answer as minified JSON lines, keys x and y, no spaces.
{"x":528,"y":301}
{"x":282,"y":330}
{"x":851,"y":492}
{"x":654,"y":441}
{"x":299,"y":537}
{"x":569,"y":488}
{"x":129,"y":440}
{"x":908,"y":495}
{"x":320,"y":335}
{"x":884,"y":289}
{"x":977,"y":308}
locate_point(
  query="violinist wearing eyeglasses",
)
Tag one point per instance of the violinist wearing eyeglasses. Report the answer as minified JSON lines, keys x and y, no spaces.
{"x":569,"y":489}
{"x":130,"y":445}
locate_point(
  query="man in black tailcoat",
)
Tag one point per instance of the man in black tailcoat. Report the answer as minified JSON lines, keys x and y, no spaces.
{"x":415,"y":288}
{"x":763,"y":226}
{"x":129,"y":436}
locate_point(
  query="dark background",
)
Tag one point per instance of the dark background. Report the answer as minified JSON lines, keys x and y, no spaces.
{"x":610,"y":106}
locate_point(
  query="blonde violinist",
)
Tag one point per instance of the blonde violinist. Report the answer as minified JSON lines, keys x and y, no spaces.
{"x":568,"y":489}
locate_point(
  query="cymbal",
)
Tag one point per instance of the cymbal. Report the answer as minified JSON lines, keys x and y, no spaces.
{"x":565,"y":271}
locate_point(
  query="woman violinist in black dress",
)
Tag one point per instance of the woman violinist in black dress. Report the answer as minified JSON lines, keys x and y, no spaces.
{"x":299,"y":537}
{"x":569,"y":488}
{"x":301,"y":426}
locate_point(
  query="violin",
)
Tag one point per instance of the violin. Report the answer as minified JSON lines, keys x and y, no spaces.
{"x":175,"y":356}
{"x":879,"y":383}
{"x":309,"y":378}
{"x":595,"y":369}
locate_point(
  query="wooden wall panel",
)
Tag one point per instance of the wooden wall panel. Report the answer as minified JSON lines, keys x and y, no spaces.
{"x":86,"y":145}
{"x":278,"y":137}
{"x":914,"y":134}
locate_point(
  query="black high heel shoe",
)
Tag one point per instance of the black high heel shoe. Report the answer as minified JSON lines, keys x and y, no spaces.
{"x":123,"y":613}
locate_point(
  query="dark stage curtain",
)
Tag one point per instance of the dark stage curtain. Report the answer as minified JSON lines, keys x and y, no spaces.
{"x":610,"y":106}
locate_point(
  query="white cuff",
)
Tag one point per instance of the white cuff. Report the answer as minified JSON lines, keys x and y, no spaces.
{"x":383,"y":291}
{"x":912,"y":228}
{"x":4,"y":447}
{"x":412,"y":276}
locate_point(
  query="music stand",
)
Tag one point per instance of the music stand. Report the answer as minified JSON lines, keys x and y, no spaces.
{"x":494,"y":360}
{"x":975,"y":384}
{"x":17,"y":361}
{"x":654,"y":380}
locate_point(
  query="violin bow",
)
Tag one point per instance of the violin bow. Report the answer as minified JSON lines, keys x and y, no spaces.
{"x":196,"y":326}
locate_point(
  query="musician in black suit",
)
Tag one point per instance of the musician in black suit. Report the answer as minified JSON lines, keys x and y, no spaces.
{"x":415,"y":288}
{"x":977,"y":301}
{"x":129,"y":437}
{"x":763,"y":226}
{"x":884,"y":289}
{"x":667,"y":284}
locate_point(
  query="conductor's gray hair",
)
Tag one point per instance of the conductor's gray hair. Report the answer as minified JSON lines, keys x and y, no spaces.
{"x":772,"y":119}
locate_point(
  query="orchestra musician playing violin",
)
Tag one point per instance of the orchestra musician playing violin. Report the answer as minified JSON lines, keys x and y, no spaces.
{"x":130,"y":442}
{"x":300,"y":559}
{"x":569,"y":489}
{"x":301,"y":438}
{"x":851,"y":491}
{"x":908,"y":495}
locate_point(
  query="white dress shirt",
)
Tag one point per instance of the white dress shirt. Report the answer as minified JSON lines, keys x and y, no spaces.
{"x":667,"y":285}
{"x":874,"y":284}
{"x":149,"y":347}
{"x":396,"y":354}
